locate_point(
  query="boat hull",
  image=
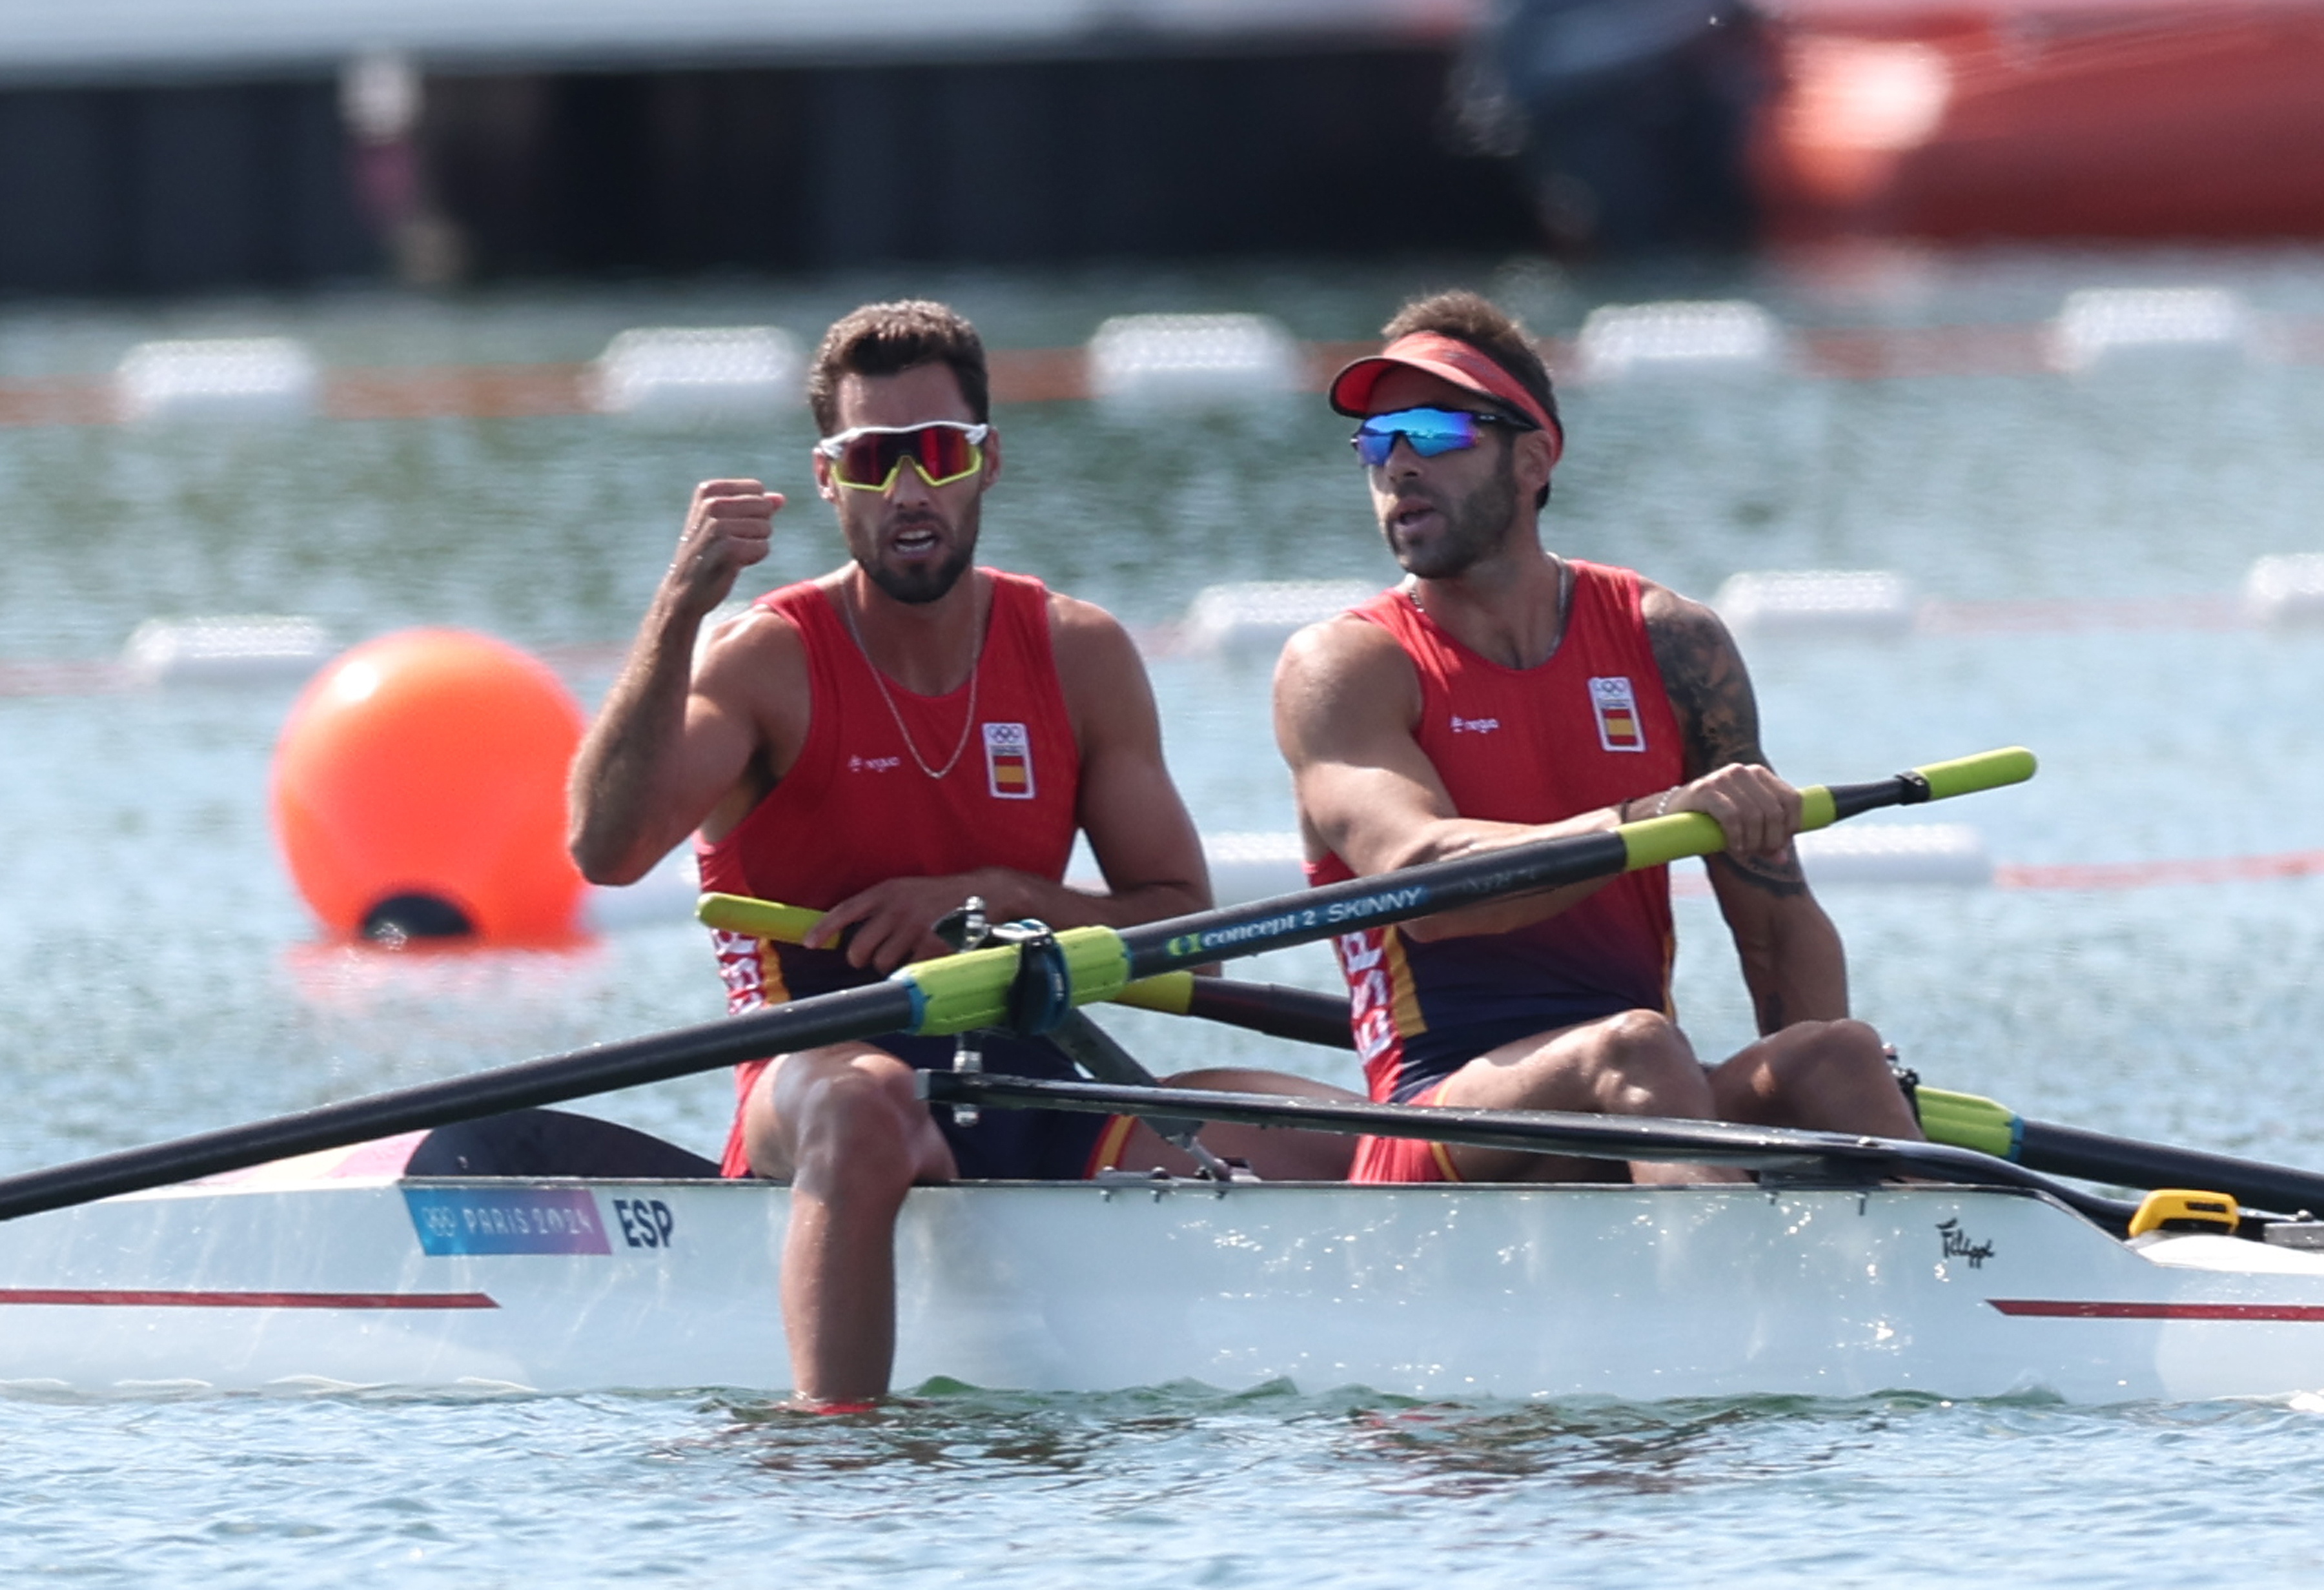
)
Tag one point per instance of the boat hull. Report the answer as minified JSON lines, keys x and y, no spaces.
{"x":1427,"y":1291}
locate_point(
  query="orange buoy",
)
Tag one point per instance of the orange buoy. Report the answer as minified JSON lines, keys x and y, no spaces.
{"x":418,"y":792}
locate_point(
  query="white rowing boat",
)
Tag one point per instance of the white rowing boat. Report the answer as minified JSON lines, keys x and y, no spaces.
{"x":330,"y":1273}
{"x":605,"y":1265}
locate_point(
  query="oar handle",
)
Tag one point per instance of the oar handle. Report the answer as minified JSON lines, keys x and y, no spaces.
{"x":1302,"y":1014}
{"x":760,"y":919}
{"x":1658,"y":841}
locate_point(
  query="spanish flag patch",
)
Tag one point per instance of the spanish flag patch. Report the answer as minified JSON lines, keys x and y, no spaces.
{"x":1009,"y":760}
{"x":1620,"y":727}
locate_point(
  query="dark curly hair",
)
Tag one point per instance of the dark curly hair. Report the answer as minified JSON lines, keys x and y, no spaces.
{"x":890,"y":338}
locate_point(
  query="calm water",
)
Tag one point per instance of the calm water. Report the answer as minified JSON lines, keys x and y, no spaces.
{"x":158,"y":975}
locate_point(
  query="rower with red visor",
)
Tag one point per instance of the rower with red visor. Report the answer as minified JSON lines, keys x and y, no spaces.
{"x":881,"y":744}
{"x":1501,"y":693}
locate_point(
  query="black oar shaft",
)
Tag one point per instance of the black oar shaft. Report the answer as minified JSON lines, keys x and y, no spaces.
{"x":1898,"y":789}
{"x":1766,"y":1148}
{"x":1300,"y":1014}
{"x":879,"y":1007}
{"x":2121,"y":1161}
{"x":1358,"y":904}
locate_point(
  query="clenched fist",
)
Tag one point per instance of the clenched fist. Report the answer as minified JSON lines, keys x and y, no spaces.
{"x":728,"y":526}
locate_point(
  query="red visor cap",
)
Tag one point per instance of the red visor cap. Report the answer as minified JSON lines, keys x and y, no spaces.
{"x":1448,"y":358}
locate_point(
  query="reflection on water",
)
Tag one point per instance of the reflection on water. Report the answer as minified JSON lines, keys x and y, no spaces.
{"x":1657,"y":1448}
{"x":1165,"y":1486}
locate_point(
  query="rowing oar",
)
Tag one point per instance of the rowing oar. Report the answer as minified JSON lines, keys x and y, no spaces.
{"x":1961,"y":1120}
{"x":1274,"y":1008}
{"x":1970,"y":1122}
{"x":1779,"y":1153}
{"x":977,"y":989}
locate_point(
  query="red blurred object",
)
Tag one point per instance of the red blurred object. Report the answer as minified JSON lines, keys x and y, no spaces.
{"x":430,"y":765}
{"x":2073,"y":118}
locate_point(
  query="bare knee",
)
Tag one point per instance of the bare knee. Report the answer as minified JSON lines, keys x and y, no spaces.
{"x":852,"y":1127}
{"x":1821,"y":1054}
{"x":1833,"y":1076}
{"x":1645,"y":1065}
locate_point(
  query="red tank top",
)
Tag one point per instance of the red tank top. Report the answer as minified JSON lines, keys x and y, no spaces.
{"x":856,"y":808}
{"x":1591,"y":727}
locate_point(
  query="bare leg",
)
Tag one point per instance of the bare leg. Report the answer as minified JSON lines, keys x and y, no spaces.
{"x":843,"y":1125}
{"x":1276,"y":1153}
{"x":1637,"y":1063}
{"x":1824,"y":1075}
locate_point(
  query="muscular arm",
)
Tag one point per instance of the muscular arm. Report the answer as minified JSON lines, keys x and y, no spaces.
{"x":1791,"y":958}
{"x":1346,"y":703}
{"x":675,"y":739}
{"x":1137,"y":828}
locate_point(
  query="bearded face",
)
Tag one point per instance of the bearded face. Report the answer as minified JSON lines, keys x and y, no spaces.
{"x":1441,"y":532}
{"x":911,"y":550}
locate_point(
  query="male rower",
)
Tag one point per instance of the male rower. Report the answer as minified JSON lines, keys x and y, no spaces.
{"x":1502,"y":694}
{"x":883,"y":743}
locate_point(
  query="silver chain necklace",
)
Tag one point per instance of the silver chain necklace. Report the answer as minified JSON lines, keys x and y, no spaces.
{"x":847,"y":617}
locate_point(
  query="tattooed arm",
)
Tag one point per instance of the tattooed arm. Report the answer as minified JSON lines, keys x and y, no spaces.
{"x":1791,"y":954}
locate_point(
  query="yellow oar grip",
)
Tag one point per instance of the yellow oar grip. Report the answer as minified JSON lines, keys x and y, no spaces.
{"x":1966,"y":1121}
{"x":1172,"y":993}
{"x":1660,"y":840}
{"x":760,"y":919}
{"x":1987,"y":770}
{"x":960,"y":993}
{"x":969,"y":996}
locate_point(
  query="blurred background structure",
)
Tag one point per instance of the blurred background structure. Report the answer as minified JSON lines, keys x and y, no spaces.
{"x":154,"y":146}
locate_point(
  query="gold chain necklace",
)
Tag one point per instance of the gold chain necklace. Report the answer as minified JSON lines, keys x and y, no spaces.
{"x":847,"y":617}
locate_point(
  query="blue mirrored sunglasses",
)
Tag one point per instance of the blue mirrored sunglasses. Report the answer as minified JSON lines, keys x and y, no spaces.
{"x":1427,"y":431}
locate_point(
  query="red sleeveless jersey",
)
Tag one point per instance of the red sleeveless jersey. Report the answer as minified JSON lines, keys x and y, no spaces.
{"x":1591,"y":727}
{"x":857,"y":808}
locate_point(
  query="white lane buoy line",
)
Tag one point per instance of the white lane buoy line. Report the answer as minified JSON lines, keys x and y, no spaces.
{"x":1205,"y":358}
{"x":689,"y":373}
{"x":1252,"y":619}
{"x":2286,"y":590}
{"x":2279,"y":591}
{"x":1192,"y":358}
{"x":252,"y":649}
{"x":1692,"y":336}
{"x":238,"y":378}
{"x":1896,"y":853}
{"x":1816,"y":601}
{"x":1260,"y":865}
{"x":1254,"y":865}
{"x":2099,"y":324}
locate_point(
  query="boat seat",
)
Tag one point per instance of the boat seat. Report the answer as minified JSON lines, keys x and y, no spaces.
{"x":553,"y":1143}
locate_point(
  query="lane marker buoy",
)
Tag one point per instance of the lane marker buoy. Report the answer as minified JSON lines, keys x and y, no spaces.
{"x":236,"y":378}
{"x":680,"y":374}
{"x":1192,"y":358}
